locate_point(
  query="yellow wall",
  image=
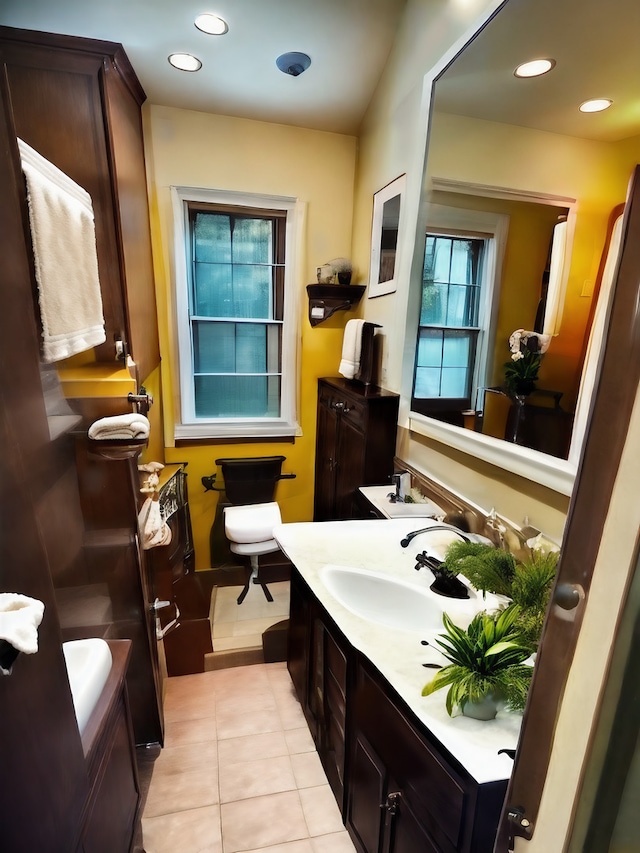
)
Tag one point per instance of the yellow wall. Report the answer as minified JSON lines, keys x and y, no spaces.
{"x":186,"y":148}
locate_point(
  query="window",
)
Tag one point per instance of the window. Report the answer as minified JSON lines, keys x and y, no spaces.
{"x":457,"y":310}
{"x":235,"y":301}
{"x":448,"y":327}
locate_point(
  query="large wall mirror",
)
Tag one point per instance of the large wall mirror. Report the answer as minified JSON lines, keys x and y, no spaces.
{"x":516,"y":227}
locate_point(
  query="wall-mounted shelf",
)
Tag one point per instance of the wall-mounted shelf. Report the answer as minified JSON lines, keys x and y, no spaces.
{"x":326,"y":299}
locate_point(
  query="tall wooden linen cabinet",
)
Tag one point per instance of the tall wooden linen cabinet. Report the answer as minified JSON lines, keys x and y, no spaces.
{"x":77,"y":102}
{"x":355,"y":444}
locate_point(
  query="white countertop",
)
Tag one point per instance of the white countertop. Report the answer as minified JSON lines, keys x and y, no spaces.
{"x":398,"y":655}
{"x":378,"y":496}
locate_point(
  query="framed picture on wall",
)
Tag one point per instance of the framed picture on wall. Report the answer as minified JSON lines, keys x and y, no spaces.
{"x":387,"y":220}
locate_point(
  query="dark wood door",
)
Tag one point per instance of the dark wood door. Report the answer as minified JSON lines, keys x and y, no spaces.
{"x":326,"y":459}
{"x":367,"y":794}
{"x":43,"y":777}
{"x":404,"y":831}
{"x":350,"y":467}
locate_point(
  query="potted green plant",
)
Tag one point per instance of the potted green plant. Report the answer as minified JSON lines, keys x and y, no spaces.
{"x":527,"y":583}
{"x":486,"y":665}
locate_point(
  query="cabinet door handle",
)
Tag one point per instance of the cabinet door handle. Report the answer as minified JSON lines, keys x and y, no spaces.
{"x":340,"y":406}
{"x":391,"y":803}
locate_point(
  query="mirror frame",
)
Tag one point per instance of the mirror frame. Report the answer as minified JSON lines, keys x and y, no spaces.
{"x":550,"y":471}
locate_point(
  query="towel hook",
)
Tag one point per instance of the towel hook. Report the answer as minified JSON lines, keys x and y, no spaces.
{"x":143,"y":400}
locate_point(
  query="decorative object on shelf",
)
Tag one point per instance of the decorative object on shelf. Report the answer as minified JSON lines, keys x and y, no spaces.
{"x":337,"y":271}
{"x":326,"y":299}
{"x":487,"y":665}
{"x":385,"y":231}
{"x":521,"y":373}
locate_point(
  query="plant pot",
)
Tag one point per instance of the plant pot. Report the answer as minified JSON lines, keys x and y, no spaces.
{"x":486,"y":709}
{"x":344,"y":277}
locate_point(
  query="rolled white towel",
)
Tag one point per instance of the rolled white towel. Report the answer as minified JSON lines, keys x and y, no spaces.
{"x":120,"y":427}
{"x":20,"y":617}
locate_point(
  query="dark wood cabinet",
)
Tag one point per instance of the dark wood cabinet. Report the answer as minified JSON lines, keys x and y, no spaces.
{"x":399,"y":790}
{"x":355,"y":444}
{"x":185,"y":598}
{"x":317,"y":662}
{"x":114,"y":804}
{"x":77,"y":102}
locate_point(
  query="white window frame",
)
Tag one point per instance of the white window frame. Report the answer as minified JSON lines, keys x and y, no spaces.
{"x":494,"y":228}
{"x":187,"y":425}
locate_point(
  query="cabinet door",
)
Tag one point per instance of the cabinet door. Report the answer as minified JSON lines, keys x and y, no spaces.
{"x":367,"y":793}
{"x":326,"y":453}
{"x":406,"y":832}
{"x":298,"y":650}
{"x":350,"y":468}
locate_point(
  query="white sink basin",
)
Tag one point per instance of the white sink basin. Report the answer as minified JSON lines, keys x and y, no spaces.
{"x":88,"y":666}
{"x":383,"y":600}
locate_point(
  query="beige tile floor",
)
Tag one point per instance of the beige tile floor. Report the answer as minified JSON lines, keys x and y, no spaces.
{"x":240,"y":626}
{"x":239,"y":771}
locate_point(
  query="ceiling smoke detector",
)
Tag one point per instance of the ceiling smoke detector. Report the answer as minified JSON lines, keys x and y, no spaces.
{"x":293,"y":63}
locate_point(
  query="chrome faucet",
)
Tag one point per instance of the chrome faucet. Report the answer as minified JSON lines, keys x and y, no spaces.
{"x":402,"y":482}
{"x":407,"y":539}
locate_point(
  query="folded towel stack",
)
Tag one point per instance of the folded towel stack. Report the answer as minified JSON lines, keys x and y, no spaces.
{"x":133,"y":426}
{"x":20,"y":617}
{"x":351,"y":349}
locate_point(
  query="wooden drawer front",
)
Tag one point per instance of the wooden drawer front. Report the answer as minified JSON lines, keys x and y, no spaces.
{"x":344,"y":404}
{"x":337,"y":663}
{"x":335,"y":699}
{"x":434,"y":790}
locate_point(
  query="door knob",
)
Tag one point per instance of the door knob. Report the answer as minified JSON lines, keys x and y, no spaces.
{"x":568,"y":595}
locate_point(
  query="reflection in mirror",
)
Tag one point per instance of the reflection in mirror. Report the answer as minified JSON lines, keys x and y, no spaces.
{"x":389,"y":239}
{"x":515,"y":151}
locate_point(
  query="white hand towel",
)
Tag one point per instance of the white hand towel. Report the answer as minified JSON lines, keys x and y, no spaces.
{"x":66,"y":261}
{"x":120,"y":427}
{"x":351,"y":349}
{"x":20,"y":617}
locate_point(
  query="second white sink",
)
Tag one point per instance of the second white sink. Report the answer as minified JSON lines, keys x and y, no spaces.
{"x":88,"y":667}
{"x":383,"y":600}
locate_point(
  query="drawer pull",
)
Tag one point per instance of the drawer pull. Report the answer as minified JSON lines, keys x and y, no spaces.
{"x":340,"y":406}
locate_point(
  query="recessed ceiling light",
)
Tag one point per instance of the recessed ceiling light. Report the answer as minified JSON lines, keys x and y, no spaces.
{"x":185,"y":62}
{"x":596,"y":105}
{"x":211,"y":24}
{"x":534,"y":68}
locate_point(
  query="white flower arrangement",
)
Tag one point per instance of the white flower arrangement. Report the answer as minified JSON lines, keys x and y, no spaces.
{"x":519,"y":343}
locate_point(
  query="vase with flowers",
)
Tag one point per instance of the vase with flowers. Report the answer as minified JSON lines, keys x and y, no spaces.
{"x":521,"y":373}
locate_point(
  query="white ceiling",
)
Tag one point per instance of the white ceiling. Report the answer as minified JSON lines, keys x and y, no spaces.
{"x":348,"y":42}
{"x":596,"y":44}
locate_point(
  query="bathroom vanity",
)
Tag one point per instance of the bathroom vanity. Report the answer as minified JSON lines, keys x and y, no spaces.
{"x":405,"y":775}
